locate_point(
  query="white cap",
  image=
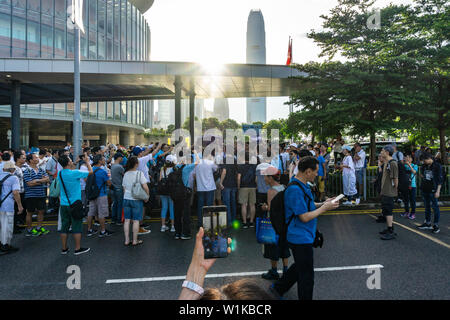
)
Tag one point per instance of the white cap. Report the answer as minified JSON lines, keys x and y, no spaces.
{"x":262,"y":166}
{"x":171,"y":158}
{"x":293,"y":145}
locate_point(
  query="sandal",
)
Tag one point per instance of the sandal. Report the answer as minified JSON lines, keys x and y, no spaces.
{"x":127,"y":244}
{"x":138,"y":243}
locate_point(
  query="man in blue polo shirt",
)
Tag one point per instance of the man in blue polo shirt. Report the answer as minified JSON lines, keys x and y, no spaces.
{"x":298,"y":201}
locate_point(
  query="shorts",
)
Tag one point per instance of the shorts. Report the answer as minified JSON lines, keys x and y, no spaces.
{"x":359,"y":176}
{"x":133,"y":209}
{"x":35,"y":204}
{"x":99,"y":207}
{"x":247,"y":196}
{"x":387,"y":206}
{"x":321,"y":184}
{"x":68,"y":221}
{"x":274,"y":251}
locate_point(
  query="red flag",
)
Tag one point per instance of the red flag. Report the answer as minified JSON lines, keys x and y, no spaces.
{"x":289,"y":58}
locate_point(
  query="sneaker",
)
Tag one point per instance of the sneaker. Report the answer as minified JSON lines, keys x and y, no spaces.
{"x":8,"y":249}
{"x":81,"y":251}
{"x":185,"y":237}
{"x":385,"y":231}
{"x":358,"y":201}
{"x":412,"y":216}
{"x":404,"y":215}
{"x":381,"y":219}
{"x":388,"y":236}
{"x":347,"y":203}
{"x":172,"y":229}
{"x":164,"y":228}
{"x":270,"y":275}
{"x":177,"y":237}
{"x":91,"y":232}
{"x":119,"y":224}
{"x":105,"y":234}
{"x":251,"y":225}
{"x":245,"y":226}
{"x":96,"y":224}
{"x":65,"y":251}
{"x":425,"y":226}
{"x":146,"y":225}
{"x":33,"y":233}
{"x":44,"y":231}
{"x":143,"y":231}
{"x":436,"y":229}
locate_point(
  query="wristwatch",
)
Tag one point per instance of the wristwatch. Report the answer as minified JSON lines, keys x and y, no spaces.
{"x":193,"y":286}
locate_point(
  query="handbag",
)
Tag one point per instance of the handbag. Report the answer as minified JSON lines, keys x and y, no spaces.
{"x":55,"y":189}
{"x":265,"y":233}
{"x":137,"y":191}
{"x":76,"y":208}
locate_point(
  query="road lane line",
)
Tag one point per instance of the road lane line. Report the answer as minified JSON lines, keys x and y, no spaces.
{"x":446,"y":245}
{"x":239,"y":274}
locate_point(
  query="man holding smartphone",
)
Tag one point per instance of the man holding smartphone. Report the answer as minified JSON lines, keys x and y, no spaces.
{"x":298,"y":201}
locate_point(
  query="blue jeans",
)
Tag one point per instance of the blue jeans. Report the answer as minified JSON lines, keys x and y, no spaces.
{"x":117,"y":205}
{"x":229,"y":199}
{"x":133,"y":209}
{"x":411,"y":199}
{"x":167,"y":204}
{"x":204,"y":198}
{"x":431,"y":201}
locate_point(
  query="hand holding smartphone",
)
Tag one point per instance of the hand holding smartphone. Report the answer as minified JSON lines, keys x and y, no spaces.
{"x":339,"y":197}
{"x":215,"y":238}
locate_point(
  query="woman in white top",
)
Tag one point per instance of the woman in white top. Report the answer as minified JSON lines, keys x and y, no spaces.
{"x":132,"y":208}
{"x":348,"y":175}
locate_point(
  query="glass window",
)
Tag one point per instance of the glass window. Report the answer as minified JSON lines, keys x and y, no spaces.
{"x":116,"y":110}
{"x":60,"y":9}
{"x":47,"y":109}
{"x":110,"y":110}
{"x":33,"y":37}
{"x":60,"y":39}
{"x":129,"y":112}
{"x":101,"y":47}
{"x":101,"y":16}
{"x":47,"y":7}
{"x":92,"y":45}
{"x":18,"y":37}
{"x":5,"y":35}
{"x":101,"y":110}
{"x":46,"y":37}
{"x":123,"y":31}
{"x":34,"y":5}
{"x":19,"y":8}
{"x":70,"y":44}
{"x":116,"y":19}
{"x":60,"y":109}
{"x":129,"y":31}
{"x":123,"y":111}
{"x":109,"y":18}
{"x":93,"y":110}
{"x":109,"y":49}
{"x":84,"y":45}
{"x":5,"y":6}
{"x":92,"y":15}
{"x":69,"y":108}
{"x":84,"y":109}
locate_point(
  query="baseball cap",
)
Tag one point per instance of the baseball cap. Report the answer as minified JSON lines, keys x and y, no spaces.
{"x":293,"y":145}
{"x":347,"y":148}
{"x":262,"y":166}
{"x":171,"y":158}
{"x":389,"y":149}
{"x":118,"y":155}
{"x":137,"y":150}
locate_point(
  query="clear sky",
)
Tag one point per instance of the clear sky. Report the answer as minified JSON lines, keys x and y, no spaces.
{"x":214,"y":31}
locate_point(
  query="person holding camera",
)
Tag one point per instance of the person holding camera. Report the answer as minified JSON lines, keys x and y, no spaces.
{"x":70,"y":193}
{"x":301,"y":231}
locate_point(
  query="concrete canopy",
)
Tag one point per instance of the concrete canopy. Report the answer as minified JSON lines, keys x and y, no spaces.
{"x":51,"y":81}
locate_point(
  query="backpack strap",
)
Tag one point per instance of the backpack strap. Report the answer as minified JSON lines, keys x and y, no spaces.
{"x":306,"y":196}
{"x":1,"y":183}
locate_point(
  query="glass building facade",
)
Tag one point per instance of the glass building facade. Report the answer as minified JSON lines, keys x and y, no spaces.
{"x":114,"y":30}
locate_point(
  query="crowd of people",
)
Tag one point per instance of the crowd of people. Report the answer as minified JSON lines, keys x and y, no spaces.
{"x":125,"y":184}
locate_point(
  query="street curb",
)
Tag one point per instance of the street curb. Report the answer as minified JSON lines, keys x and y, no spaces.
{"x":377,"y":205}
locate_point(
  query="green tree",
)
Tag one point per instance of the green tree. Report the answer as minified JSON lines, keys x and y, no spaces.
{"x":230,"y":124}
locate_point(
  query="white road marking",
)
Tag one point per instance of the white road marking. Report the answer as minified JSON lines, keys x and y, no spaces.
{"x":238,"y":274}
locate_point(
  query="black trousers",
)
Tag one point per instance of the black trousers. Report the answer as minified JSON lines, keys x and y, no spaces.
{"x":301,"y":272}
{"x":183,"y":216}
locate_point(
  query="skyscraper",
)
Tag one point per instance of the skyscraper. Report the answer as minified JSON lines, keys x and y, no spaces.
{"x":256,"y":54}
{"x":221,"y":109}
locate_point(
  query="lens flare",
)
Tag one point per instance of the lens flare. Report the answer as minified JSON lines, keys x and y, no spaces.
{"x":236,"y":225}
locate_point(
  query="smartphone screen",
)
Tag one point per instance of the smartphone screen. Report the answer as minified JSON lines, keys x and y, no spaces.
{"x":215,"y":238}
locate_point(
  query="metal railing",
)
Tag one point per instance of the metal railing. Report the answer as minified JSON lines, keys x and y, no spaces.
{"x":334,"y":184}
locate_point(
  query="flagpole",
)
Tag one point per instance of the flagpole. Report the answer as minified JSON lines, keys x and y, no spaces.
{"x":77,"y":120}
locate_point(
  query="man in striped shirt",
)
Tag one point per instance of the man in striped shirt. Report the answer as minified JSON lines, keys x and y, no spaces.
{"x":35,"y":183}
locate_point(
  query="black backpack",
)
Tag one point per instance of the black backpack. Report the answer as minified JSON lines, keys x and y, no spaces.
{"x":277,"y":216}
{"x":163,"y":187}
{"x":1,"y":189}
{"x":179,"y":191}
{"x":403,"y":177}
{"x":92,"y":189}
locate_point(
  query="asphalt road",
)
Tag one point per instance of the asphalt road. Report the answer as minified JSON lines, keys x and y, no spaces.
{"x":414,"y":266}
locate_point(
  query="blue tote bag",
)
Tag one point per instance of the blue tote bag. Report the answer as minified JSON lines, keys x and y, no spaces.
{"x":265,"y":234}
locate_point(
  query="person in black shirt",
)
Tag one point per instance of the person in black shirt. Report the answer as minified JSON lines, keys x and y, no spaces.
{"x":246,"y":183}
{"x":228,"y":185}
{"x":432,"y":179}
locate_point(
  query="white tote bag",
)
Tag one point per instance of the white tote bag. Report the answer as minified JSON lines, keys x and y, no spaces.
{"x":137,"y":191}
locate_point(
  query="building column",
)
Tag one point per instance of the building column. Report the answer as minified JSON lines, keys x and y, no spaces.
{"x":124,"y":138}
{"x":15,"y":115}
{"x":192,"y":112}
{"x":34,"y":139}
{"x":178,"y":84}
